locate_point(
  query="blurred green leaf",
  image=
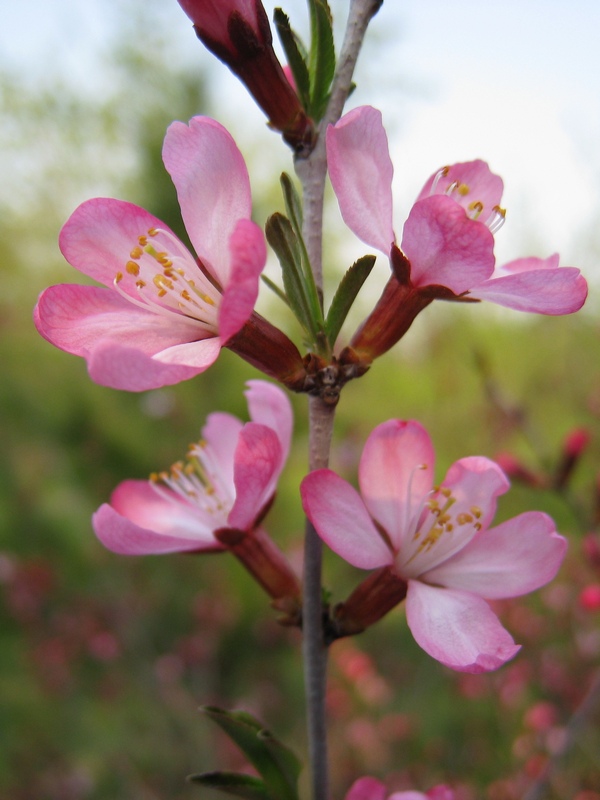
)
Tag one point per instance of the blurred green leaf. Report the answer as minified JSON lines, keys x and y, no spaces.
{"x":233,"y":783}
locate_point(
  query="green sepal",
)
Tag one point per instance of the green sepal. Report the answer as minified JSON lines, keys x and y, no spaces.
{"x":296,"y":55}
{"x":345,"y":295}
{"x":234,"y":784}
{"x":322,"y":57}
{"x":276,"y":763}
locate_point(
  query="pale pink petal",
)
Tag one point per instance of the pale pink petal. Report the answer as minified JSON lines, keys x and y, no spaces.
{"x":408,"y":796}
{"x":471,"y":184}
{"x":445,"y":247}
{"x":257,"y":464}
{"x":395,"y":474}
{"x":457,"y":628}
{"x":539,"y":291}
{"x":367,"y":789}
{"x":141,"y":521}
{"x":121,"y":367}
{"x":526,"y":265}
{"x":76,"y":318}
{"x":269,"y":405}
{"x":248,"y":255}
{"x":514,"y":558}
{"x":340,"y":518}
{"x":361,"y":173}
{"x":467,"y":501}
{"x":98,"y":237}
{"x":221,"y":433}
{"x":212,"y":185}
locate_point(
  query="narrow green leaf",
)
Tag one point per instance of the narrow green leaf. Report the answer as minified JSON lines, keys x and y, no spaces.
{"x":322,"y":57}
{"x":295,"y":53}
{"x":284,"y":242}
{"x":293,"y":203}
{"x":234,"y":784}
{"x":287,"y":761}
{"x":274,"y":288}
{"x":345,"y":295}
{"x":259,"y":746}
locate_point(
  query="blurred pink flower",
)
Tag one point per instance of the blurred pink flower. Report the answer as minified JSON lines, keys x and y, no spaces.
{"x":214,"y":500}
{"x":372,"y":789}
{"x":447,"y":241}
{"x":432,"y":544}
{"x":165,"y":314}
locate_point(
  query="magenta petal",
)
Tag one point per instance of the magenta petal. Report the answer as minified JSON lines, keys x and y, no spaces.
{"x":445,"y":247}
{"x":367,"y":789}
{"x":248,"y":257}
{"x":257,"y":463}
{"x":457,"y":628}
{"x":98,"y":237}
{"x":141,"y":521}
{"x":539,"y":291}
{"x":361,"y":173}
{"x":514,"y":558}
{"x":270,"y":406}
{"x":128,"y":368}
{"x":395,"y":474}
{"x":340,"y":518}
{"x":212,"y":185}
{"x":468,"y":183}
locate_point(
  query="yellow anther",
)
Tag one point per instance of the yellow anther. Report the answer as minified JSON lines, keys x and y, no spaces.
{"x":137,"y":252}
{"x":500,"y":211}
{"x":143,"y":240}
{"x":161,"y":281}
{"x":152,"y":232}
{"x":463,"y":189}
{"x":449,"y":527}
{"x":476,"y":511}
{"x":464,"y":518}
{"x":476,"y":207}
{"x":445,"y":491}
{"x":140,"y":284}
{"x":477,"y":526}
{"x":118,"y":277}
{"x":132,"y":268}
{"x":154,"y":477}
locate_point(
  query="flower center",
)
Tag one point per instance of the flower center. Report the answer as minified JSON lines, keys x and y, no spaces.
{"x":161,"y":276}
{"x":200,"y":481}
{"x":460,"y":191}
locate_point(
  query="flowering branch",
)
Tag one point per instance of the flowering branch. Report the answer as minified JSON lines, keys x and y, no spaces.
{"x":312,"y":172}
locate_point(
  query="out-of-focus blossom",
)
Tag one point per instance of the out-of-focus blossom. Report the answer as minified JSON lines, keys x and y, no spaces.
{"x":372,"y":789}
{"x":446,"y":251}
{"x":238,"y":33}
{"x":216,"y":498}
{"x":432,"y":545}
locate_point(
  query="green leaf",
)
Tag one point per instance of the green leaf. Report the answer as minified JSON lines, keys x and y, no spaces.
{"x":284,"y":242}
{"x":296,"y":55}
{"x":322,"y":57}
{"x":345,"y":295}
{"x":234,"y":784}
{"x":276,"y":764}
{"x":274,"y":288}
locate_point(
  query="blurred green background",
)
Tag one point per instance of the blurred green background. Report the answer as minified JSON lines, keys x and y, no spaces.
{"x":104,"y":660}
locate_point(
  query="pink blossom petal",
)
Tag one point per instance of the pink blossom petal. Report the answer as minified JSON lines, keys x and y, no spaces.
{"x":468,"y":183}
{"x":361,"y":173}
{"x":526,"y":265}
{"x":270,"y":406}
{"x":98,"y":237}
{"x":445,"y":247}
{"x":221,"y":433}
{"x":76,"y":318}
{"x":408,"y":796}
{"x":457,"y":628}
{"x":340,"y":518}
{"x":514,"y":558}
{"x":213,"y":188}
{"x":141,"y":521}
{"x":257,"y":464}
{"x":367,"y":789}
{"x":540,"y":291}
{"x":119,"y":367}
{"x":248,"y":257}
{"x":395,"y":474}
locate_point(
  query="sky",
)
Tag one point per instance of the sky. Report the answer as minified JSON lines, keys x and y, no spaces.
{"x":515,"y":83}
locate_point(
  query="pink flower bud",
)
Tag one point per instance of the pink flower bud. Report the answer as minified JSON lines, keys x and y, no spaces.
{"x":589,"y":598}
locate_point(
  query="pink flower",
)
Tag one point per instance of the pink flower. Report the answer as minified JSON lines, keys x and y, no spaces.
{"x":216,"y":498}
{"x":432,"y":544}
{"x":372,"y":789}
{"x":238,"y":33}
{"x":447,"y":243}
{"x":164,"y":314}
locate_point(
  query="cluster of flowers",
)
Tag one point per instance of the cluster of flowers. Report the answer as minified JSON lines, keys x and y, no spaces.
{"x":163,"y":314}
